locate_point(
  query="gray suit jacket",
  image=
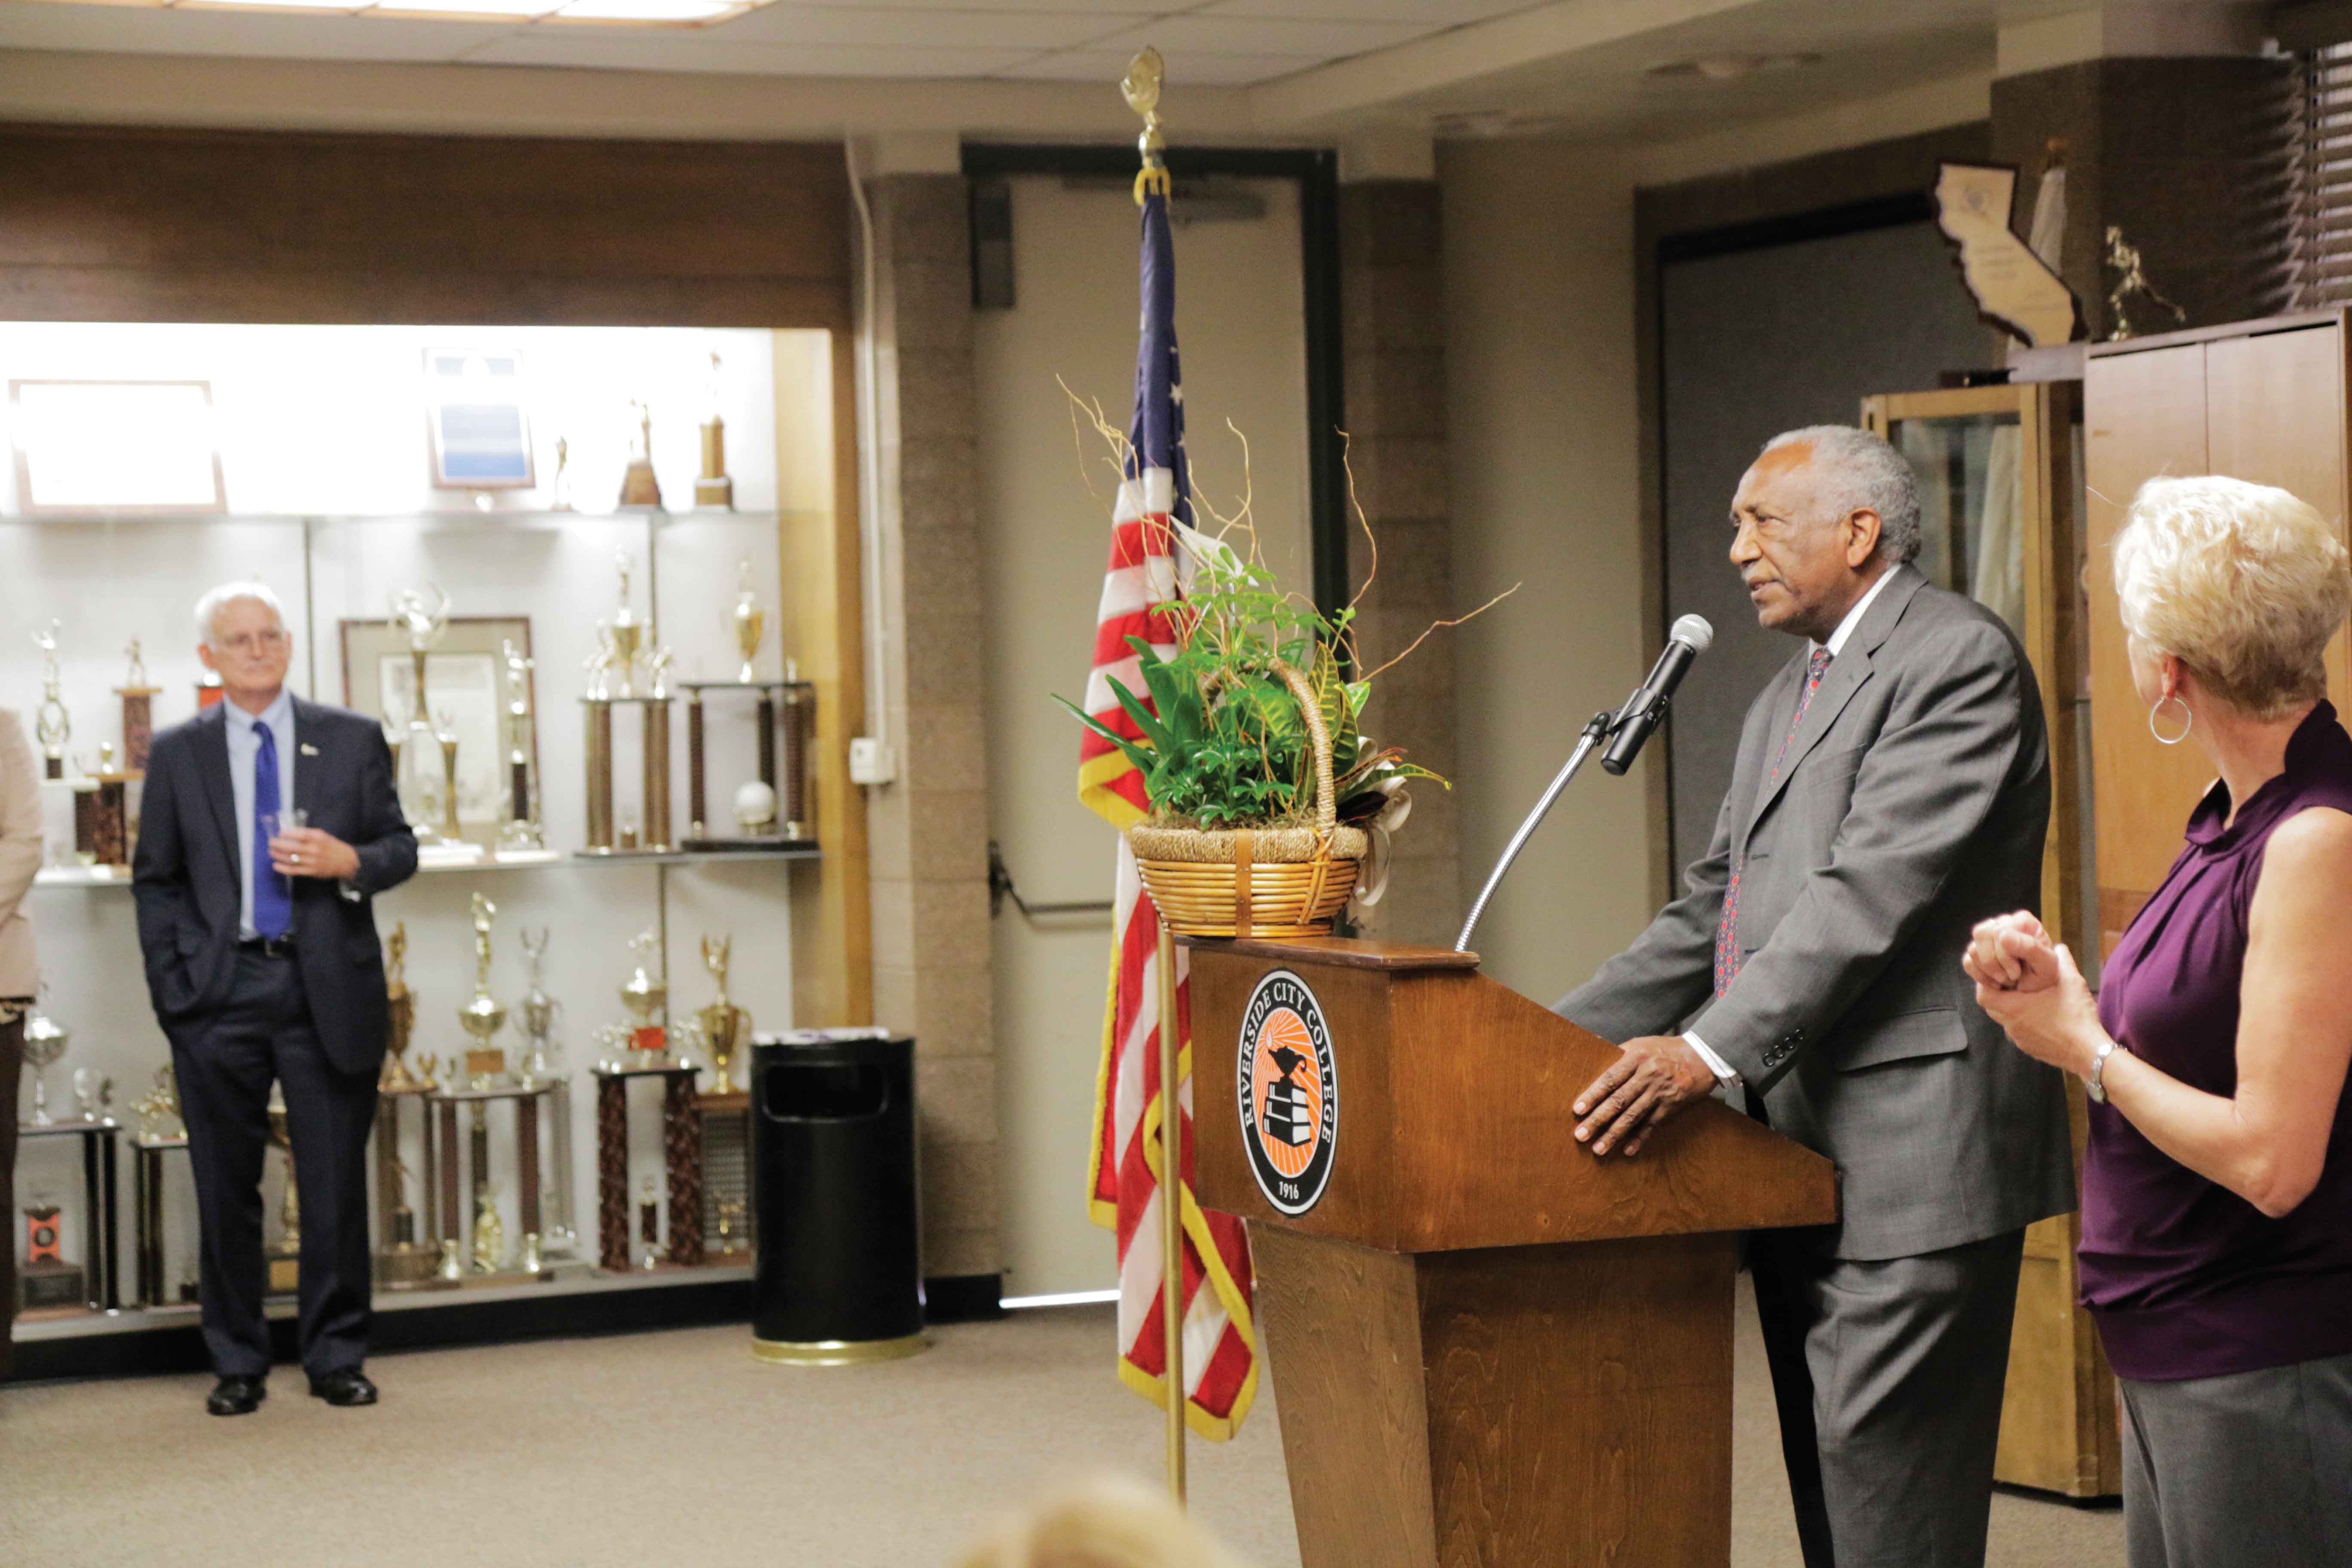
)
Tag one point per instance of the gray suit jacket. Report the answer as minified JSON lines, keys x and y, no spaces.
{"x":1914,"y":802}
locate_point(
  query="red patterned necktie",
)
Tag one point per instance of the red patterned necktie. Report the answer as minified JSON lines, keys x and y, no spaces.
{"x":1727,"y":930}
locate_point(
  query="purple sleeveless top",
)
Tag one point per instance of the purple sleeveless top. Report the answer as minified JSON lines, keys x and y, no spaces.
{"x":2184,"y":1277}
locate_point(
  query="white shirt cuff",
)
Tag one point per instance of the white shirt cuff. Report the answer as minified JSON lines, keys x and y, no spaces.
{"x":1726,"y":1074}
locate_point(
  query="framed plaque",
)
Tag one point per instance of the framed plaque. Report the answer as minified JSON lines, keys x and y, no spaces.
{"x":469,"y":684}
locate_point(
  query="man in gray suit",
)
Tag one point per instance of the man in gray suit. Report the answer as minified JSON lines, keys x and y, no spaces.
{"x":1892,"y":789}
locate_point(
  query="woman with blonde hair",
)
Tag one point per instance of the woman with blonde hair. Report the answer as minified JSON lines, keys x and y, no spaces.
{"x":2217,"y":1184}
{"x":1105,"y":1521}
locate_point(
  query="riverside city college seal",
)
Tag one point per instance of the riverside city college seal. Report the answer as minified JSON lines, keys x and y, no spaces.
{"x":1289,"y":1092}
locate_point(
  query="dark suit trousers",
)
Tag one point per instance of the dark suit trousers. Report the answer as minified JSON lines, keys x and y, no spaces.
{"x":225,"y":1059}
{"x":1888,"y":1375}
{"x":12,"y":1069}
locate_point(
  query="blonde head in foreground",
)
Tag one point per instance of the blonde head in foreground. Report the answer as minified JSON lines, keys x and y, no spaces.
{"x":2242,"y":582}
{"x":1108,"y":1521}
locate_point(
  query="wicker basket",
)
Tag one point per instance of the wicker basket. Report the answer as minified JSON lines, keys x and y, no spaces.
{"x":1278,"y":882}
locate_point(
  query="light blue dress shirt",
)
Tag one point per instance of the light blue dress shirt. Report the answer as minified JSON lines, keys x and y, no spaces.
{"x":244,"y":746}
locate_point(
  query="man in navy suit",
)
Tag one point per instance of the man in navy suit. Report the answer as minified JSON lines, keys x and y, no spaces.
{"x":262,"y":961}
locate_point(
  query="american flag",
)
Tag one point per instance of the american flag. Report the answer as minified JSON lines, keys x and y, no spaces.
{"x":1125,"y":1190}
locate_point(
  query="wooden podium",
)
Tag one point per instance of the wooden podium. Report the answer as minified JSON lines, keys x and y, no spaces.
{"x":1492,"y":1347}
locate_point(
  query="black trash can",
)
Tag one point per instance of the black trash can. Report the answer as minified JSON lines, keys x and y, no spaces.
{"x":840,"y":1275}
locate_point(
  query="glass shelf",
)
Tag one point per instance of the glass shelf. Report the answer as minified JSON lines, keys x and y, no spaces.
{"x":529,"y":860}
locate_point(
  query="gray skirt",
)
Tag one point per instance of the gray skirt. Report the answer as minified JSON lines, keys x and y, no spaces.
{"x":2250,"y":1470}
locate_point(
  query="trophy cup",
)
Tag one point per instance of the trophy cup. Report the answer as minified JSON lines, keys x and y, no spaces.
{"x":714,"y":489}
{"x":722,"y":1026}
{"x":628,"y":633}
{"x":543,"y":1063}
{"x":423,"y":613}
{"x":522,"y":829}
{"x":489,"y":1248}
{"x":53,"y":726}
{"x":638,"y":486}
{"x":444,"y":732}
{"x":649,"y":1224}
{"x":783,"y":709}
{"x":138,"y":711}
{"x":485,"y":1015}
{"x":560,"y":485}
{"x":93,"y":1094}
{"x":750,"y":621}
{"x":625,"y":646}
{"x":643,"y":995}
{"x":45,"y":1042}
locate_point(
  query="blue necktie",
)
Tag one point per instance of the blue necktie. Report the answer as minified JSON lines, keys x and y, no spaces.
{"x":273,"y":898}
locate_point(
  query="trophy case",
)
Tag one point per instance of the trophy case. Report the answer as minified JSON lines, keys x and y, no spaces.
{"x":485,"y":633}
{"x":2000,"y":497}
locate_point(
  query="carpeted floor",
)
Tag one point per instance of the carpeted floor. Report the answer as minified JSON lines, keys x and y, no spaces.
{"x":677,"y":1448}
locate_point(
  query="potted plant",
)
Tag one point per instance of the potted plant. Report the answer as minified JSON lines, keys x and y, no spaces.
{"x":1266,"y":795}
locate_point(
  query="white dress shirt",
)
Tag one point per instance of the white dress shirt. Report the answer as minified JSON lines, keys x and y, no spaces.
{"x":244,"y":746}
{"x":1726,"y":1074}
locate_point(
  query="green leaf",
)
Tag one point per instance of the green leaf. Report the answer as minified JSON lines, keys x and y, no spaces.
{"x":1134,"y":754}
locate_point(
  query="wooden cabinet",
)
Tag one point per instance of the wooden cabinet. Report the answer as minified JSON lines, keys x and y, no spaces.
{"x":2262,"y":401}
{"x":2000,"y":499}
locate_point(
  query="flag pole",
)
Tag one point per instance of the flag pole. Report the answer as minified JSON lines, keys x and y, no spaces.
{"x":1140,"y":86}
{"x":1171,"y":1211}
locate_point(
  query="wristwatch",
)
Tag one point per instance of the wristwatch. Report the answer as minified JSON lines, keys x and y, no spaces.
{"x":2096,"y":1084}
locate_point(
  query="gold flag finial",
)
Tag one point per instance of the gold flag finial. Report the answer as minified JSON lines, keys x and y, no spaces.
{"x":1145,"y":72}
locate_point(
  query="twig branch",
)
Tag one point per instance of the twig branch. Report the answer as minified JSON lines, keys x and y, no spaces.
{"x":1434,"y":626}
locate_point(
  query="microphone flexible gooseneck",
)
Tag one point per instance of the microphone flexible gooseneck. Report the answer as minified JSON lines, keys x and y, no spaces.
{"x":1690,"y":638}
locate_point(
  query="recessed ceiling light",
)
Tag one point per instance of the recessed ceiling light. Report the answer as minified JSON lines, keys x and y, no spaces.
{"x":1729,"y":67}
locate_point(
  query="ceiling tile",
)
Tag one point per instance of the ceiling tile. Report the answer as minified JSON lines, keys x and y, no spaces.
{"x":1107,"y":66}
{"x":934,"y":29}
{"x":1321,"y":40}
{"x":1435,"y":12}
{"x":684,"y":50}
{"x":133,"y":29}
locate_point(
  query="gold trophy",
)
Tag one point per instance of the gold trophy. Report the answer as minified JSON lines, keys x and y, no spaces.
{"x":722,"y":1026}
{"x":638,"y":486}
{"x":446,"y":732}
{"x":644,"y":996}
{"x":750,"y":621}
{"x":714,"y":489}
{"x":397,"y":1079}
{"x":485,"y":1015}
{"x":159,"y":1109}
{"x":423,"y":613}
{"x":629,"y":634}
{"x":52,"y":726}
{"x":489,"y":1247}
{"x":523,"y":829}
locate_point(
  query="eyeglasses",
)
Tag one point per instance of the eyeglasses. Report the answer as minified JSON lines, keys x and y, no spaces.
{"x":268,"y":641}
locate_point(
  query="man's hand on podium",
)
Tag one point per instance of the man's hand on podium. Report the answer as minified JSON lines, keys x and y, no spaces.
{"x":1654,"y":1077}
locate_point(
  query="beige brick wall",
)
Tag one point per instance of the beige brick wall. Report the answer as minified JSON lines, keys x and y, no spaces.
{"x":1392,"y":331}
{"x":928,"y":831}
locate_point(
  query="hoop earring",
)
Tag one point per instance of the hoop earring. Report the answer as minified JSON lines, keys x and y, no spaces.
{"x":2163,"y":740}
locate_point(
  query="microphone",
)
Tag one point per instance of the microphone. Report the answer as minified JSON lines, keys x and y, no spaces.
{"x":1691,"y":637}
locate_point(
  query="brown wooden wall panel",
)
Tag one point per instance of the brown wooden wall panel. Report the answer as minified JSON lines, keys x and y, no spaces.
{"x":2143,"y":415}
{"x":112,"y":224}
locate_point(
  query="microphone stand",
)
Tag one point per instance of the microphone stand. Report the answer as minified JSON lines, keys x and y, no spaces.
{"x":1603,"y":725}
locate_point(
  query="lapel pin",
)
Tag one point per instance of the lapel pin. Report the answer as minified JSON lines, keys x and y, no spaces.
{"x":308,"y":750}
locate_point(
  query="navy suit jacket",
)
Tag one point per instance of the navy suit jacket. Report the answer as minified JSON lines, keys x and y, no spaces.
{"x":185,"y":877}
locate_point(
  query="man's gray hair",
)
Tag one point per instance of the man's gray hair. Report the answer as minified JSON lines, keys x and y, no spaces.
{"x":215,"y":600}
{"x":1854,"y":469}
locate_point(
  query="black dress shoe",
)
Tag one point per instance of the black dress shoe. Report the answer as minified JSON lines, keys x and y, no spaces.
{"x":348,"y":1386}
{"x":236,"y":1396}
